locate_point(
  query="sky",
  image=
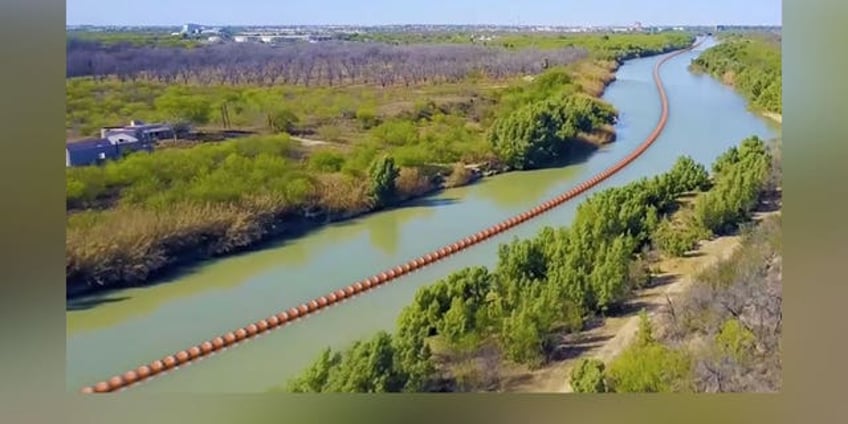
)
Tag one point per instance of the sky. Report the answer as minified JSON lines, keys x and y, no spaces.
{"x":381,"y":12}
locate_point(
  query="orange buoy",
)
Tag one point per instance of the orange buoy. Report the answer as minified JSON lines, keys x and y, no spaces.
{"x":322,"y":302}
{"x":428,"y":258}
{"x":273,"y":321}
{"x":349,"y":291}
{"x":206,"y":347}
{"x":383,"y":277}
{"x":312,"y":305}
{"x":391,"y":274}
{"x":218,"y":343}
{"x":194,"y":352}
{"x":87,"y":390}
{"x":156,"y":367}
{"x":293,"y":313}
{"x":182,"y":357}
{"x":399,"y":271}
{"x":230,"y":338}
{"x":357,"y":287}
{"x":115,"y":383}
{"x":143,"y":372}
{"x":332,"y":297}
{"x":251,"y":330}
{"x":341,"y":294}
{"x":407,"y":267}
{"x":101,"y":387}
{"x":262,"y":325}
{"x":241,"y":334}
{"x":169,"y":362}
{"x":303,"y":309}
{"x":130,"y":377}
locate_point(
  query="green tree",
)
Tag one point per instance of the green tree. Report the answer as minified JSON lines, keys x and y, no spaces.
{"x":588,"y":377}
{"x":521,"y":339}
{"x":314,"y":379}
{"x":689,"y":174}
{"x":647,"y":366}
{"x":734,"y":340}
{"x":282,"y":120}
{"x":382,"y":174}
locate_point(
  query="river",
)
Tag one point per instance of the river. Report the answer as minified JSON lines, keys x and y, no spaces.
{"x":110,"y":333}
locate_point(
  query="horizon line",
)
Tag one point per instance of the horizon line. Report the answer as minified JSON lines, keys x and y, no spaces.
{"x":426,"y":24}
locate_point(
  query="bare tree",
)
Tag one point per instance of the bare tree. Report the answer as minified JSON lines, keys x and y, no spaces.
{"x":328,"y":63}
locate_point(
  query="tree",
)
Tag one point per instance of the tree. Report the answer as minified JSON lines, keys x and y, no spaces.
{"x":314,"y":379}
{"x":648,"y":366}
{"x":382,"y":174}
{"x":689,"y":175}
{"x":541,"y":131}
{"x":521,"y":339}
{"x":588,"y":377}
{"x":281,"y":120}
{"x":734,"y":340}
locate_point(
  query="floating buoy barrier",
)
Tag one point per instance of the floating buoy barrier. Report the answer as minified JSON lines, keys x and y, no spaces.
{"x":205,"y":348}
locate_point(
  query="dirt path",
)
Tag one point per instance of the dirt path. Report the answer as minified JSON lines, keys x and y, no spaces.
{"x":310,"y":142}
{"x":610,"y":337}
{"x":606,"y":340}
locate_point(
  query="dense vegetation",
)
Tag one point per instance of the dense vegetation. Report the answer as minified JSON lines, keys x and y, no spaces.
{"x":327,"y":63}
{"x":548,"y":285}
{"x":723,"y":336}
{"x":600,"y":46}
{"x":752,"y":64}
{"x":134,"y":39}
{"x":137,"y":216}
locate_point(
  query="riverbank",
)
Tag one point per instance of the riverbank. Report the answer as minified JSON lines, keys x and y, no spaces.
{"x":267,"y":225}
{"x":776,"y":117}
{"x":608,"y":337}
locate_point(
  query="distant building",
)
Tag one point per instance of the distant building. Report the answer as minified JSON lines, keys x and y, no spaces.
{"x":191,"y":29}
{"x":138,"y":131}
{"x":97,"y":151}
{"x":115,"y":142}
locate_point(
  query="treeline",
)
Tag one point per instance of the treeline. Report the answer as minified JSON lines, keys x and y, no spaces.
{"x":610,"y":46}
{"x":130,"y":39}
{"x":541,"y":287}
{"x":542,"y":129}
{"x":335,"y":63}
{"x":327,"y":63}
{"x":751,"y":64}
{"x":722,"y":336}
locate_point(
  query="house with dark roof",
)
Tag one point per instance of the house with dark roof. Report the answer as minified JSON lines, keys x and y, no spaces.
{"x":140,"y":131}
{"x":98,"y":150}
{"x":116,"y":142}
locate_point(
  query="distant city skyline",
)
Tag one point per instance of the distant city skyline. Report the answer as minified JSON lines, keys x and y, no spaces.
{"x":425,"y":12}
